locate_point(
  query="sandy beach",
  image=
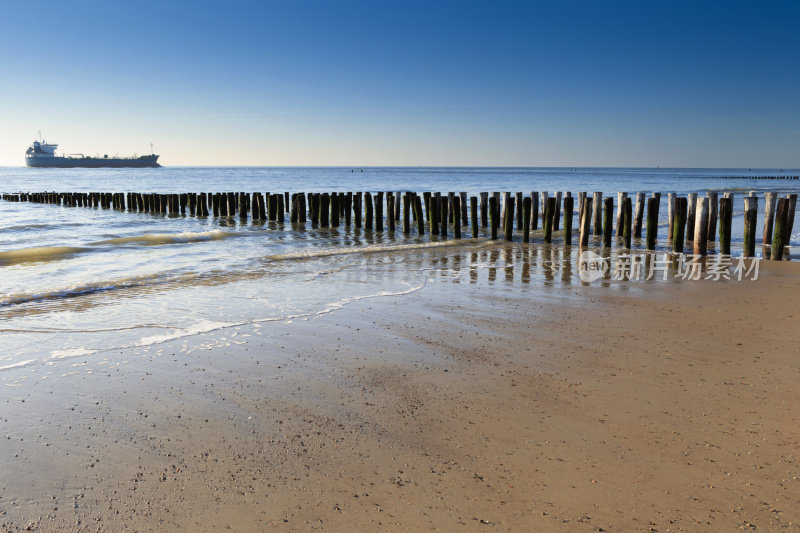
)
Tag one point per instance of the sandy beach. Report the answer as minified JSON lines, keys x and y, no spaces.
{"x":460,"y":407}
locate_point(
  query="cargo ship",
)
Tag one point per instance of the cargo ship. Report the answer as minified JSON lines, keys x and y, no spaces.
{"x":43,"y":155}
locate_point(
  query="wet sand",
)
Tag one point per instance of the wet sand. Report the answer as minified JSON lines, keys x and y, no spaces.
{"x":462,"y":407}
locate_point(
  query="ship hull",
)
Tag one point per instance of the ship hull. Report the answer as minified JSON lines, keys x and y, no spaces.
{"x":145,"y":161}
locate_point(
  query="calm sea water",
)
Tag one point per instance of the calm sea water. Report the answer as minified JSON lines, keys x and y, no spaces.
{"x":75,"y":282}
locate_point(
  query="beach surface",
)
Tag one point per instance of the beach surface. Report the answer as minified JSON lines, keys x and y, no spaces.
{"x":460,"y":407}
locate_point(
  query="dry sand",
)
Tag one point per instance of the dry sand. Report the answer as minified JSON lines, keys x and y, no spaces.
{"x":485,"y":407}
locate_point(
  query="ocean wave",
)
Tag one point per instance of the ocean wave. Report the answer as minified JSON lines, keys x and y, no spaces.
{"x":155,"y":239}
{"x":39,"y":254}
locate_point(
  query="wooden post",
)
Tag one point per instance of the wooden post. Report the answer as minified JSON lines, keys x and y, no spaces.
{"x":549,"y":215}
{"x":569,"y":203}
{"x":586,"y":222}
{"x":493,"y":216}
{"x":420,"y":215}
{"x":368,"y":209}
{"x":725,"y":222}
{"x":518,"y":203}
{"x":534,"y":211}
{"x":358,"y":202}
{"x":581,"y":200}
{"x":379,"y":211}
{"x":627,"y":222}
{"x":504,"y":212}
{"x":463,"y":196}
{"x":426,"y":197}
{"x":769,"y":217}
{"x":484,"y":209}
{"x":348,"y":208}
{"x":608,"y":214}
{"x":543,"y":200}
{"x":398,"y":198}
{"x":457,"y":217}
{"x":335,"y":210}
{"x":390,"y":211}
{"x":508,"y":226}
{"x":406,"y":214}
{"x":652,"y":222}
{"x":435,"y":201}
{"x":691,"y":209}
{"x":443,"y":207}
{"x":597,"y":201}
{"x":670,"y":215}
{"x":324,"y":210}
{"x":679,"y":224}
{"x":701,"y":227}
{"x":620,"y":213}
{"x":242,"y":207}
{"x":557,"y":211}
{"x":713,"y":209}
{"x":750,"y":216}
{"x":473,"y":213}
{"x":301,"y":197}
{"x":792,"y":207}
{"x":780,"y":239}
{"x":637,"y":221}
{"x":526,"y":219}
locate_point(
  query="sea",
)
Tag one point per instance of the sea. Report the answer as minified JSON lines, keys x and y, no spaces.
{"x":87,"y":283}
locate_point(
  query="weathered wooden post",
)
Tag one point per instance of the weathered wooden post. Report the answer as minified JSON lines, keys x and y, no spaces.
{"x":436,"y":199}
{"x":518,"y":204}
{"x":526,"y":219}
{"x":769,"y":217}
{"x":581,"y":200}
{"x":569,"y":203}
{"x":457,"y":217}
{"x":780,"y":239}
{"x":390,"y":211}
{"x":368,"y":209}
{"x":549,"y":214}
{"x":473,"y":214}
{"x":348,"y":208}
{"x":508,"y":226}
{"x":627,"y":222}
{"x":406,"y":214}
{"x":543,"y":200}
{"x":701,"y":227}
{"x":750,"y":216}
{"x":301,"y":197}
{"x":242,"y":207}
{"x":608,"y":213}
{"x":586,"y":222}
{"x":670,"y":215}
{"x":484,"y":209}
{"x":597,"y":201}
{"x":725,"y":223}
{"x":426,"y":198}
{"x":691,"y":209}
{"x":557,"y":211}
{"x":324,"y":210}
{"x":534,"y":211}
{"x":493,"y":223}
{"x":335,"y":209}
{"x":713,"y":209}
{"x":652,"y":223}
{"x":463,"y":196}
{"x":358,"y":202}
{"x":620,"y":213}
{"x":637,"y":221}
{"x":679,"y":224}
{"x":379,"y":211}
{"x":420,"y":215}
{"x":792,"y":207}
{"x":443,"y":215}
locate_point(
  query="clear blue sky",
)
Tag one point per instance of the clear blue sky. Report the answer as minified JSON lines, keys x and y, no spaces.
{"x":565,"y":83}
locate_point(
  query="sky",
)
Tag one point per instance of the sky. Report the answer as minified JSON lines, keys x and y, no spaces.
{"x":463,"y":83}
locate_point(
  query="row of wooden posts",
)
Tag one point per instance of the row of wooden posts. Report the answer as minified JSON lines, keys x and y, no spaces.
{"x":758,"y":177}
{"x":691,"y":218}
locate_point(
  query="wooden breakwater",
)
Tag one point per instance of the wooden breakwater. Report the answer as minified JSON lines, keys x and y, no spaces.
{"x":756,"y":177}
{"x":694,"y":218}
